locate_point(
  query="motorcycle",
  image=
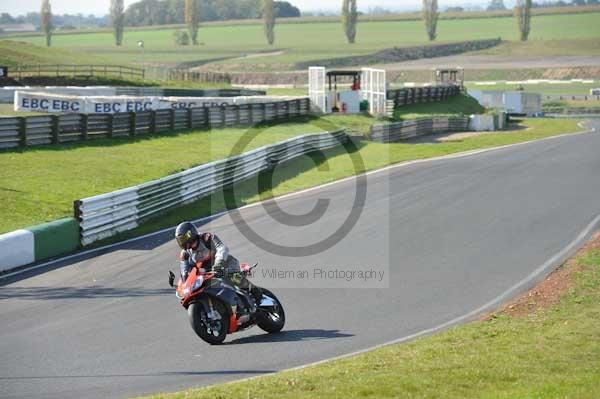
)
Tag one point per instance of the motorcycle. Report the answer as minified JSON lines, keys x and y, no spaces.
{"x":216,"y":308}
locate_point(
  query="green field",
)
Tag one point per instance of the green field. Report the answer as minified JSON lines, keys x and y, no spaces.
{"x":39,"y":184}
{"x":303,"y":42}
{"x":548,"y":353}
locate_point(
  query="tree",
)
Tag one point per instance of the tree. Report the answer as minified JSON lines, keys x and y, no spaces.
{"x":268,"y":15}
{"x":192,"y":19}
{"x":349,"y":18}
{"x":117,"y":18}
{"x":181,"y":37}
{"x":284,"y":9}
{"x":523,"y":11}
{"x":46,"y":21}
{"x":496,"y":5}
{"x":430,"y":17}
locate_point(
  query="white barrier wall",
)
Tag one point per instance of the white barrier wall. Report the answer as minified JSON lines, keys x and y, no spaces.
{"x":57,"y":103}
{"x":16,"y":249}
{"x":517,"y":102}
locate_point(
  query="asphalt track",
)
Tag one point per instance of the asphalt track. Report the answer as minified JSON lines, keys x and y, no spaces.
{"x":455,"y":234}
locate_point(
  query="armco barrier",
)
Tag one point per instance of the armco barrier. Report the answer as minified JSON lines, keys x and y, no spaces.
{"x":414,"y":95}
{"x":105,"y":215}
{"x":398,"y":131}
{"x":36,"y":243}
{"x":56,"y":129}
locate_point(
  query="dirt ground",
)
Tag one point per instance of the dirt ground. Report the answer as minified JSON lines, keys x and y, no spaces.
{"x":549,"y":292}
{"x":499,"y":62}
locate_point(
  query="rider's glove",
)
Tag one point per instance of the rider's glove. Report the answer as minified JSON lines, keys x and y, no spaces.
{"x":219,"y":269}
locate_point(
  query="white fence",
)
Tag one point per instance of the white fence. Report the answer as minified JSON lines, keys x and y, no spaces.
{"x":374,"y":90}
{"x":105,"y":215}
{"x":316,"y":89}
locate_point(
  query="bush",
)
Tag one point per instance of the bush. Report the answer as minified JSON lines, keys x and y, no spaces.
{"x":181,"y":38}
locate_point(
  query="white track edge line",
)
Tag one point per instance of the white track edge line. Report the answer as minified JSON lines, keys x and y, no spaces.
{"x":300,"y":192}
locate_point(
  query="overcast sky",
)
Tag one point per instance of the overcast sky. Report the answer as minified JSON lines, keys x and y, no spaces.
{"x":100,"y":7}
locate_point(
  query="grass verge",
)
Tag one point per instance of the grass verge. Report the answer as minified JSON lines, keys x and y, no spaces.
{"x":549,"y":352}
{"x":453,"y":106}
{"x":39,"y":184}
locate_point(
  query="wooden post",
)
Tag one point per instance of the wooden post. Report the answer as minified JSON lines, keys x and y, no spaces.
{"x":84,"y":126}
{"x":54,"y":129}
{"x":132,"y":123}
{"x":22,"y":131}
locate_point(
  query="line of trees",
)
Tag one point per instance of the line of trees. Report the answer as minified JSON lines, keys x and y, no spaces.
{"x":194,"y":11}
{"x":162,"y":12}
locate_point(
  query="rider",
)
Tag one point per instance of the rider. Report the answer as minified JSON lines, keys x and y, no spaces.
{"x":207,"y":248}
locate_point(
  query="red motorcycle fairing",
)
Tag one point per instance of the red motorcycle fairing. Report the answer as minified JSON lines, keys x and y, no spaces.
{"x":209,"y":286}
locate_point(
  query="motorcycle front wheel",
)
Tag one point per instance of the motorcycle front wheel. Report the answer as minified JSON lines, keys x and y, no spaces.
{"x":271,"y":318}
{"x":212,"y":328}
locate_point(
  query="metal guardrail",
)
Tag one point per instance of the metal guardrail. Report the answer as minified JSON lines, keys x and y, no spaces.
{"x":105,"y":215}
{"x":414,"y":95}
{"x":397,"y":131}
{"x":56,"y":129}
{"x":62,"y":70}
{"x":573,"y":97}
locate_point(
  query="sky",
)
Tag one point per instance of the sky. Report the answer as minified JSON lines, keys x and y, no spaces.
{"x":100,"y":7}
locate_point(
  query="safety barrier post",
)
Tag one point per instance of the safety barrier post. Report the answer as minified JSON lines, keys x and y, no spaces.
{"x":22,"y":131}
{"x":84,"y":126}
{"x":189,"y":117}
{"x":109,"y":130}
{"x":132,"y":123}
{"x":54,"y":127}
{"x":152,"y":122}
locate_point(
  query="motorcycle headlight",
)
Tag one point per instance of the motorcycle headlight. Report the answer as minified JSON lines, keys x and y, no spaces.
{"x":198,"y":283}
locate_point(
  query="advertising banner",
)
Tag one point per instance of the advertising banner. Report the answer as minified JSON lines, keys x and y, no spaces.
{"x":52,"y":103}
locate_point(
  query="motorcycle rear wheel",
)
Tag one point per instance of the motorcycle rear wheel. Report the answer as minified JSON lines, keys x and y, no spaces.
{"x":212,"y":332}
{"x":271,"y":320}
